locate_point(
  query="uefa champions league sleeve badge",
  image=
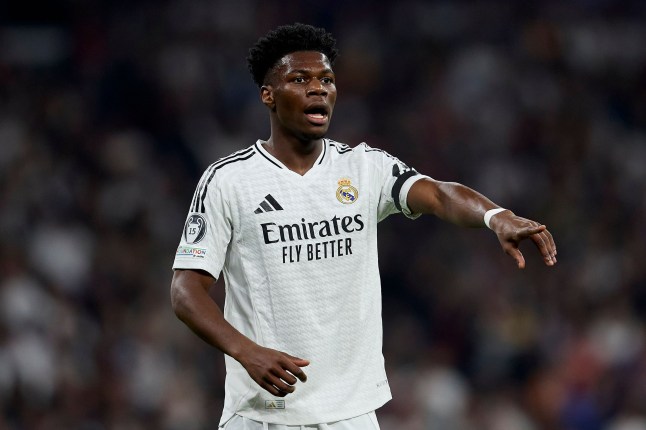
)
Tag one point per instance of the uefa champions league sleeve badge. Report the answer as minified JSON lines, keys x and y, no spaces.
{"x":195,"y":229}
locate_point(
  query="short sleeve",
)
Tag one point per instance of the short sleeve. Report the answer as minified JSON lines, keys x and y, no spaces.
{"x":396,"y":179}
{"x":207,"y":230}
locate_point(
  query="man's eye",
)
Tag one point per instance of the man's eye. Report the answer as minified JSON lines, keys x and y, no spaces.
{"x":299,"y":79}
{"x":327,"y":80}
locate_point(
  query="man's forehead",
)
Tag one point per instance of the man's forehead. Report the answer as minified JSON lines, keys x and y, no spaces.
{"x":303,"y":60}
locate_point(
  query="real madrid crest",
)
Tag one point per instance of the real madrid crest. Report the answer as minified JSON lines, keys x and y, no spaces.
{"x":346,"y":193}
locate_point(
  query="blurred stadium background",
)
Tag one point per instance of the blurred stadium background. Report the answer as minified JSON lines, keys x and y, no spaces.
{"x":109,"y":111}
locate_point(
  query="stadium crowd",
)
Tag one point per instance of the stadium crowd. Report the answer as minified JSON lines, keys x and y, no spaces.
{"x":110,"y":111}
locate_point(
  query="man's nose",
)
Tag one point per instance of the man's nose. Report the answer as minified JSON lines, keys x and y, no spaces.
{"x":316,"y":88}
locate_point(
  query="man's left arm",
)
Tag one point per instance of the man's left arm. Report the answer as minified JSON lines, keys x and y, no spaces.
{"x":463,"y":206}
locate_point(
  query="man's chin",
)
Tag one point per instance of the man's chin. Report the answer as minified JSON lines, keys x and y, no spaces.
{"x":315,"y":135}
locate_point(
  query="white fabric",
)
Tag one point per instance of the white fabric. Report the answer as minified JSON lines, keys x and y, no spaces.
{"x":362,"y":422}
{"x":299,"y":259}
{"x":490,"y":213}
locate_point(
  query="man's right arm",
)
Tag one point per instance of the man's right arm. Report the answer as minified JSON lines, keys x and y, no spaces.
{"x":273,"y":370}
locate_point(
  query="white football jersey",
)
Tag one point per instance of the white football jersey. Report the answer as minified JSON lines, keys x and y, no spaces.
{"x":299,"y":259}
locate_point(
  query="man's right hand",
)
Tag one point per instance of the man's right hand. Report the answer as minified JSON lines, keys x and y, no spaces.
{"x":274,"y":371}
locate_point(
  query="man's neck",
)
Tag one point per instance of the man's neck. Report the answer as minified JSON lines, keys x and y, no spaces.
{"x":298,"y":156}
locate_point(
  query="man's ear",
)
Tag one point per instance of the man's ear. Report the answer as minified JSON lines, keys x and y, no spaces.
{"x":267,"y":96}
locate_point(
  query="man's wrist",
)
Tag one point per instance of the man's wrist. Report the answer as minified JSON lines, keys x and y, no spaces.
{"x":489,"y":214}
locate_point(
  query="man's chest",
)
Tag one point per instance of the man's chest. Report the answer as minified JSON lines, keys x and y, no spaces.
{"x":292,"y":217}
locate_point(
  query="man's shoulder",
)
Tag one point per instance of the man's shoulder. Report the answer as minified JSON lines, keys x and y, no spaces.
{"x":361,"y":147}
{"x":233,"y":163}
{"x":339,"y":147}
{"x":361,"y":150}
{"x":343,"y":148}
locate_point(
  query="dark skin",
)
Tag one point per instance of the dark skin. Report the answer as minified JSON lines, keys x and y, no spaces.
{"x":300,"y":94}
{"x":275,"y":371}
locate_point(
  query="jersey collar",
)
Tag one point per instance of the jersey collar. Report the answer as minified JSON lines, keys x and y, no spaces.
{"x":276,"y":162}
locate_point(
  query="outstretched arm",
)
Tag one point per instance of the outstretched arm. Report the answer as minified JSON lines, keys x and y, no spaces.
{"x":275,"y":371}
{"x":463,"y":206}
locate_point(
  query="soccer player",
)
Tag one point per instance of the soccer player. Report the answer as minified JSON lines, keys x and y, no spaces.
{"x":291,"y":223}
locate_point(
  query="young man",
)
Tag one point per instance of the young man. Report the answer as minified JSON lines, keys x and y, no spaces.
{"x":291,"y":222}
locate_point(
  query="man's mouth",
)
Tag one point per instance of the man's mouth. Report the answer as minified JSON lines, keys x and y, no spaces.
{"x":317,"y":115}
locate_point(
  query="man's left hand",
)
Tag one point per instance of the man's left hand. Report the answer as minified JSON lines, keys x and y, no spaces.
{"x":512,"y":229}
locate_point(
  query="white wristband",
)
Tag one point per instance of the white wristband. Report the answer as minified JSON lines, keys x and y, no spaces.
{"x":490,"y":213}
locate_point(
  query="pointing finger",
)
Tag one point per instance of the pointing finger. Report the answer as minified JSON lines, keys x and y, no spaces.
{"x":531,"y":230}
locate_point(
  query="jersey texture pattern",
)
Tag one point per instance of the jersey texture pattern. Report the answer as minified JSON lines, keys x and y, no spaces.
{"x":299,"y":258}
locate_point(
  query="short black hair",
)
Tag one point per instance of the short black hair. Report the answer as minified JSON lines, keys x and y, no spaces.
{"x":284,"y":40}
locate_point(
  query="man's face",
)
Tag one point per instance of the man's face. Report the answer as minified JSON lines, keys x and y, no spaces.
{"x":301,"y":91}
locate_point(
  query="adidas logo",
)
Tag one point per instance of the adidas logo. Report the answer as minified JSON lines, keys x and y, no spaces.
{"x":268,"y":205}
{"x":274,"y":404}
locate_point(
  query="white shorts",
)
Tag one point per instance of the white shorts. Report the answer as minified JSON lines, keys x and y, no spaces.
{"x":362,"y":422}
